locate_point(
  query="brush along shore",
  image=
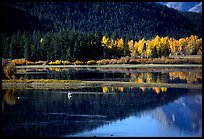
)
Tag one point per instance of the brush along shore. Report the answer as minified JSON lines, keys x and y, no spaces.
{"x":110,"y":65}
{"x":74,"y":84}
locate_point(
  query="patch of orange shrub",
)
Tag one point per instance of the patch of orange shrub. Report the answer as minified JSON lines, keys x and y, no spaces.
{"x":91,"y":62}
{"x":77,"y":62}
{"x":66,"y":62}
{"x":40,"y":62}
{"x":56,"y":62}
{"x":103,"y":62}
{"x":19,"y":61}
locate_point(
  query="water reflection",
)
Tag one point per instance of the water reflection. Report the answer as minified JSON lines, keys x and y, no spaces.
{"x":51,"y":113}
{"x":109,"y":89}
{"x":179,"y":75}
{"x":9,"y":97}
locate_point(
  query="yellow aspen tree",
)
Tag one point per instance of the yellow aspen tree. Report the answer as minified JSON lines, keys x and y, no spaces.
{"x":120,"y":44}
{"x":182,"y":45}
{"x":157,"y":43}
{"x":171,"y":45}
{"x":191,"y":44}
{"x":131,"y":44}
{"x":164,"y":46}
{"x":131,"y":48}
{"x":135,"y":50}
{"x":149,"y":48}
{"x":175,"y":47}
{"x":110,"y":43}
{"x":140,"y":46}
{"x":104,"y":41}
{"x":199,"y":45}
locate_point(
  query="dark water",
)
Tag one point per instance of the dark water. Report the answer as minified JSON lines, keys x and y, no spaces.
{"x":116,"y":112}
{"x":157,"y":75}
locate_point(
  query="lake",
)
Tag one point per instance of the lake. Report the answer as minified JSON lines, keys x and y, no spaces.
{"x":107,"y":111}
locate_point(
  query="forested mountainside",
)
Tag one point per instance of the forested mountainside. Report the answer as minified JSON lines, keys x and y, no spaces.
{"x":133,"y":19}
{"x":97,"y":30}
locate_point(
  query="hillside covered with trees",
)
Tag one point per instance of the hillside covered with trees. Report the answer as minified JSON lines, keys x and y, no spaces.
{"x":96,"y":30}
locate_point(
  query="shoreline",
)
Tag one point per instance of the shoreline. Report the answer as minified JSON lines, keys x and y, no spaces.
{"x":85,"y":84}
{"x":112,"y":66}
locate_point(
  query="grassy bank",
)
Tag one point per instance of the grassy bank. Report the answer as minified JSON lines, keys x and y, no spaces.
{"x":72,"y":84}
{"x":110,"y":66}
{"x":192,"y":59}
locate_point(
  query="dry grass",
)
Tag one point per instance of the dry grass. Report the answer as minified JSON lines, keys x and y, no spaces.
{"x":40,"y":81}
{"x":91,"y":62}
{"x":123,"y":60}
{"x":19,"y":62}
{"x":77,"y":62}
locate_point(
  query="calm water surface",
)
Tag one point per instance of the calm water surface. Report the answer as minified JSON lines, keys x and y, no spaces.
{"x":166,"y":75}
{"x":176,"y":112}
{"x":108,"y":111}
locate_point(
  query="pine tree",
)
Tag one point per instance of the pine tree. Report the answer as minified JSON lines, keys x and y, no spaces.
{"x":154,"y":52}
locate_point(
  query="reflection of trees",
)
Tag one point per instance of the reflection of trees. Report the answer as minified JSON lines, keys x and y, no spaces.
{"x":147,"y":75}
{"x":150,"y":77}
{"x":169,"y":77}
{"x":54,"y":114}
{"x":85,"y":74}
{"x":106,"y":89}
{"x":185,"y":113}
{"x":189,"y":77}
{"x":9,"y":97}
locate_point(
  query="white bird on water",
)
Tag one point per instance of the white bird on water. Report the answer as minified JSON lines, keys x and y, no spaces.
{"x":69,"y":95}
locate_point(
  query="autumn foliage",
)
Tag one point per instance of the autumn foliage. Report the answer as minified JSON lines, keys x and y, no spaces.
{"x":9,"y":70}
{"x":19,"y":62}
{"x":165,"y":46}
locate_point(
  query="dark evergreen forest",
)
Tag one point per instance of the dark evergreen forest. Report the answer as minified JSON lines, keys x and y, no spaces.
{"x":74,"y":30}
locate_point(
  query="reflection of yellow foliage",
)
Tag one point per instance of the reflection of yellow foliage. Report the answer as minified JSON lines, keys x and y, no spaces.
{"x":157,"y":90}
{"x":163,"y":89}
{"x":191,"y":80}
{"x":158,"y":80}
{"x":182,"y":75}
{"x":105,"y":89}
{"x":142,"y":88}
{"x":149,"y":78}
{"x":190,"y":77}
{"x":9,"y":97}
{"x":112,"y":89}
{"x":139,"y":80}
{"x":55,"y":69}
{"x":121,"y":89}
